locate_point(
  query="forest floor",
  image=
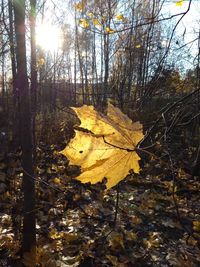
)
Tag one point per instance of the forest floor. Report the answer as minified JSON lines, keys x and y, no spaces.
{"x":150,"y":219}
{"x":136,"y":224}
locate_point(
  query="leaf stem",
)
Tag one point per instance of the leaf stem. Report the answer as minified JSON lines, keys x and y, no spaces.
{"x":127,"y":149}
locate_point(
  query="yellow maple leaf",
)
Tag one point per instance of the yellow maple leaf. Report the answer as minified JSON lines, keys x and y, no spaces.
{"x":106,"y":148}
{"x":84,"y":23}
{"x":179,"y":3}
{"x":109,"y":30}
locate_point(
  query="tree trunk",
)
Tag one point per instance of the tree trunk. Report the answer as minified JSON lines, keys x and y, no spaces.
{"x":15,"y":117}
{"x":28,"y":185}
{"x":33,"y":69}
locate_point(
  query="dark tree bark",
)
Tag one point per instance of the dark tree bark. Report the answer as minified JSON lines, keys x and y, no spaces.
{"x":12,"y":46}
{"x":33,"y":68}
{"x":3,"y":80}
{"x":16,"y":130}
{"x":28,"y":185}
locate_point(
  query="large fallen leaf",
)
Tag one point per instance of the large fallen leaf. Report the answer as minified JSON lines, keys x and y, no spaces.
{"x":104,"y":146}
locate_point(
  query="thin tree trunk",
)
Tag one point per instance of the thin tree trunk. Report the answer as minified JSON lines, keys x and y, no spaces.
{"x":3,"y":80}
{"x":81,"y":71}
{"x":106,"y":69}
{"x":33,"y":69}
{"x":28,"y":184}
{"x":15,"y":117}
{"x":75,"y":53}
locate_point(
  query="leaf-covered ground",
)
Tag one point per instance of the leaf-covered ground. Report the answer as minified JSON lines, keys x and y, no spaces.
{"x":150,"y":219}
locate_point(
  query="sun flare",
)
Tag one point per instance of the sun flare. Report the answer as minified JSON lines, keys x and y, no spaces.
{"x":49,"y":37}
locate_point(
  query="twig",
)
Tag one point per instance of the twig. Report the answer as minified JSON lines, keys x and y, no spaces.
{"x":116,"y":206}
{"x":168,"y":109}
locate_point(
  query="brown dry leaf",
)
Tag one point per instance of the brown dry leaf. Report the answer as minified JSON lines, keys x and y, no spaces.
{"x":29,"y":258}
{"x":106,"y":146}
{"x":131,"y":236}
{"x":70,"y":237}
{"x":180,"y":260}
{"x":2,"y":166}
{"x":116,"y":241}
{"x":196,"y":226}
{"x":153,"y":241}
{"x":2,"y":177}
{"x":136,"y":220}
{"x":113,"y":260}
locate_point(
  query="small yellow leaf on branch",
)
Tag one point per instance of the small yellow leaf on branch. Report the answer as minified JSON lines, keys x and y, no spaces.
{"x":96,"y":22}
{"x":179,"y":3}
{"x":40,"y":61}
{"x":109,"y":30}
{"x":84,"y":23}
{"x":106,"y":148}
{"x":90,"y":14}
{"x":121,"y":17}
